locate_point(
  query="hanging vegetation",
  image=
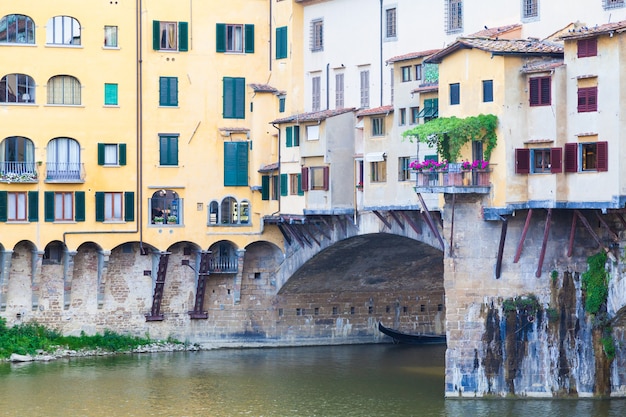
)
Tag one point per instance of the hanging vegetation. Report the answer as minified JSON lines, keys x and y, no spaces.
{"x":449,"y":134}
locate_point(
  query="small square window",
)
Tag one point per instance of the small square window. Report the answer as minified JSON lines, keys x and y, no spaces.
{"x":378,"y":128}
{"x":378,"y":171}
{"x":540,"y":91}
{"x":318,"y":178}
{"x":168,"y":35}
{"x":406,"y":74}
{"x":587,"y":99}
{"x":541,"y":160}
{"x":110,"y":94}
{"x":530,"y":8}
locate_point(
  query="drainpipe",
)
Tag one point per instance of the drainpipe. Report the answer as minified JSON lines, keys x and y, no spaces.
{"x":380,"y":64}
{"x":327,"y":86}
{"x":270,"y":37}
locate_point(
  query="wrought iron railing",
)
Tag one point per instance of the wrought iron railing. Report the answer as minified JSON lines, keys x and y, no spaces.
{"x":65,"y":171}
{"x":13,"y":171}
{"x":223,"y":264}
{"x":465,"y":179}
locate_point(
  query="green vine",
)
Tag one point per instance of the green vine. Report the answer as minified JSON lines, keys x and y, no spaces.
{"x":528,"y":303}
{"x":595,"y":283}
{"x":450,"y":134}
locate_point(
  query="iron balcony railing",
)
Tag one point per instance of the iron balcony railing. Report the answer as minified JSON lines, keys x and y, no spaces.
{"x":13,"y":171}
{"x":472,"y":181}
{"x":65,"y":171}
{"x":223,"y":264}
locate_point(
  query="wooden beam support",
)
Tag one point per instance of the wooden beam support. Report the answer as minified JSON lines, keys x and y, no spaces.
{"x":621,"y":219}
{"x":593,"y":234}
{"x":605,"y":224}
{"x":430,"y":222}
{"x":382,"y":219}
{"x":544,"y":244}
{"x":342,"y":226}
{"x":415,"y":226}
{"x":291,"y":230}
{"x":285,"y":233}
{"x":321,"y":230}
{"x":518,"y":252}
{"x":307,"y":229}
{"x":396,"y":218}
{"x":572,"y":234}
{"x":505,"y":225}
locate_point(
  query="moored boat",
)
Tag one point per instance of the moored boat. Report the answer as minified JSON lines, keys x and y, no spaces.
{"x":412,"y":339}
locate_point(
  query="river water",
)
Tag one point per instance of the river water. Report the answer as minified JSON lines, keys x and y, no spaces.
{"x":337,"y":381}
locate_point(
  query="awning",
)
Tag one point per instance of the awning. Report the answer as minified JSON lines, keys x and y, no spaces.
{"x":375,"y":156}
{"x":428,"y":112}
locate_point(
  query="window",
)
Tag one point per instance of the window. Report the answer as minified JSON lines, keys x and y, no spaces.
{"x":593,"y":156}
{"x":63,"y":30}
{"x":110,"y":94}
{"x":455,"y":94}
{"x":319,"y":178}
{"x":115,"y":206}
{"x":587,"y":99}
{"x":229,"y":212}
{"x":587,"y":47}
{"x":234,"y":98}
{"x":530,"y":8}
{"x":365,"y":88}
{"x":613,"y":4}
{"x":17,"y":28}
{"x":281,"y":104}
{"x":378,"y":128}
{"x":430,"y":110}
{"x":17,"y":157}
{"x":170,"y":36}
{"x":295,"y":184}
{"x":378,"y":171}
{"x":402,"y":118}
{"x":487,"y":91}
{"x":313,"y":132}
{"x":168,"y":91}
{"x":63,"y":206}
{"x":64,"y":90}
{"x":406,"y":73}
{"x":19,"y":206}
{"x":235,"y":164}
{"x":339,"y":91}
{"x":281,"y":42}
{"x":540,"y":91}
{"x":541,"y":160}
{"x":166,"y":207}
{"x":16,"y":206}
{"x":390,"y":20}
{"x":236,"y":38}
{"x":404,"y":171}
{"x":110,"y":37}
{"x":17,"y":88}
{"x":271,"y":186}
{"x":63,"y":160}
{"x":414,"y":115}
{"x":317,"y":35}
{"x":112,"y":154}
{"x":454,"y":16}
{"x":168,"y":150}
{"x":316,"y":93}
{"x":293,"y":136}
{"x":590,"y":157}
{"x":418,"y":72}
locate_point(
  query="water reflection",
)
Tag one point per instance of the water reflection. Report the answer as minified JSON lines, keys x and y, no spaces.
{"x":378,"y":380}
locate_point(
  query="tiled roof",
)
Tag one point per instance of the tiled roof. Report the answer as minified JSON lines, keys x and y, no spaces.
{"x":528,"y":47}
{"x":426,"y":88}
{"x":312,"y":117}
{"x":375,"y":111}
{"x":541,"y":66}
{"x":412,"y":55}
{"x":590,"y":31}
{"x":263,"y":88}
{"x":269,"y":167}
{"x":495,"y":32}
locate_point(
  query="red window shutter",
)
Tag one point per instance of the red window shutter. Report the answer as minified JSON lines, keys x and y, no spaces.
{"x":602,"y":162}
{"x":546,"y":91}
{"x":556,"y":160}
{"x":522,"y":161}
{"x":587,"y":47}
{"x":326,"y":178}
{"x":534,"y":91}
{"x":571,"y":157}
{"x":304,"y":179}
{"x":587,"y":99}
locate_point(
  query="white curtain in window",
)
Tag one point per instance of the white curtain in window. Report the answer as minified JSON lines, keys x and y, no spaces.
{"x":113,"y":206}
{"x":110,"y":155}
{"x":17,"y":206}
{"x":110,"y":36}
{"x":63,"y":209}
{"x":63,"y":89}
{"x":63,"y":154}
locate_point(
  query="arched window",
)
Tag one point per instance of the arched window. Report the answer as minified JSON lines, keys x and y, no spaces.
{"x":228,"y":211}
{"x":17,"y":28}
{"x":17,"y":88}
{"x":63,"y":30}
{"x":244,"y":212}
{"x":166,"y":207}
{"x":213,"y":212}
{"x":63,"y":160}
{"x":64,"y":89}
{"x":17,"y":156}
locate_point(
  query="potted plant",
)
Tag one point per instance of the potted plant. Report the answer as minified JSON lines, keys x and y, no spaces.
{"x":158,"y":220}
{"x":172,"y":219}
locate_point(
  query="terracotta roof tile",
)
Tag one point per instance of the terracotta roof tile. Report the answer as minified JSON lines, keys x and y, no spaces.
{"x":495,"y":32}
{"x":412,"y":55}
{"x":312,"y":117}
{"x":269,"y":167}
{"x":541,"y":66}
{"x":375,"y":111}
{"x":426,"y":88}
{"x":590,"y":31}
{"x":263,"y":88}
{"x":528,"y":47}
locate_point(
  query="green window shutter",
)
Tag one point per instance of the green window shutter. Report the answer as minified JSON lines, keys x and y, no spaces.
{"x":289,"y":139}
{"x":99,"y":206}
{"x":300,"y":190}
{"x":296,"y":136}
{"x":183,"y":36}
{"x":122,"y":153}
{"x":265,"y":187}
{"x":3,"y":206}
{"x":281,"y":104}
{"x":242,"y":163}
{"x":48,"y":200}
{"x":101,"y":154}
{"x":79,"y":206}
{"x":235,"y":164}
{"x":168,"y":150}
{"x":110,"y":94}
{"x":168,"y":91}
{"x":129,"y":206}
{"x":281,"y":42}
{"x":33,"y":206}
{"x":234,"y":98}
{"x":156,"y":35}
{"x":284,"y":181}
{"x":249,"y":39}
{"x":220,"y":37}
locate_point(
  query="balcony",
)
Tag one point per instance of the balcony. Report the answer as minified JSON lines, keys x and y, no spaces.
{"x":461,"y":182}
{"x":18,"y":172}
{"x":69,"y":172}
{"x":223,"y":264}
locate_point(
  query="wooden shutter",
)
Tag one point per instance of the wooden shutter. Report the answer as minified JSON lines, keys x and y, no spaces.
{"x":110,"y":94}
{"x":101,"y":154}
{"x":99,"y":206}
{"x":587,"y":99}
{"x":235,"y":163}
{"x":3,"y":206}
{"x":183,"y":36}
{"x":48,"y":200}
{"x":122,"y":153}
{"x":129,"y":206}
{"x":296,"y":136}
{"x":284,"y":184}
{"x":326,"y":171}
{"x":234,"y":98}
{"x":534,"y":91}
{"x":602,"y":152}
{"x":265,"y":187}
{"x":300,"y":191}
{"x":79,"y":206}
{"x":168,"y":91}
{"x":546,"y":90}
{"x":587,"y":47}
{"x":242,"y":163}
{"x":220,"y":37}
{"x":304,"y":178}
{"x":289,"y":138}
{"x":33,"y":206}
{"x":556,"y":160}
{"x":156,"y":35}
{"x":249,"y":39}
{"x":281,"y":42}
{"x":571,"y":157}
{"x":522,"y":161}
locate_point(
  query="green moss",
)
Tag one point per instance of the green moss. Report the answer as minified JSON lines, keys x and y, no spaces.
{"x":553,"y":315}
{"x":527,"y":303}
{"x":595,"y":283}
{"x":608,"y":344}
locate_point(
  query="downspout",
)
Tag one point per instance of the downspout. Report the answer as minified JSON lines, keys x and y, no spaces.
{"x":381,"y":53}
{"x":327,"y":86}
{"x":270,"y":37}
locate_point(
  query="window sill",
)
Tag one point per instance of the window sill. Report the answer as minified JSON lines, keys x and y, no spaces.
{"x":168,"y":106}
{"x":24,"y":104}
{"x":114,"y":221}
{"x":62,"y":45}
{"x":64,"y":105}
{"x":17,"y":222}
{"x":111,"y":106}
{"x":111,"y":48}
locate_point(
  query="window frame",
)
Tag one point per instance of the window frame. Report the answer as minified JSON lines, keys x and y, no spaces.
{"x":530,"y":9}
{"x":613,"y":4}
{"x":236,"y":164}
{"x":282,"y":45}
{"x":339,"y":90}
{"x":168,"y":91}
{"x":17,"y":208}
{"x":454,"y":16}
{"x":63,"y":206}
{"x":52,"y":34}
{"x":418,"y":72}
{"x":487,"y":91}
{"x":455,"y":94}
{"x":405,"y":73}
{"x":405,"y":173}
{"x":168,"y":149}
{"x":402,"y":117}
{"x":540,"y":91}
{"x":587,"y":99}
{"x":23,"y":84}
{"x":27,"y":32}
{"x":59,"y":94}
{"x":316,"y":93}
{"x":111,"y":97}
{"x":111,"y":37}
{"x":391,"y":23}
{"x":234,"y":98}
{"x":318,"y":177}
{"x":364,"y":76}
{"x":165,"y":41}
{"x":587,"y":47}
{"x":114,"y":206}
{"x":317,"y":35}
{"x":378,"y":126}
{"x":414,"y":116}
{"x":378,"y":171}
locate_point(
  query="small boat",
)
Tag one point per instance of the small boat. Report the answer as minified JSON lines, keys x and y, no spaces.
{"x":412,"y":339}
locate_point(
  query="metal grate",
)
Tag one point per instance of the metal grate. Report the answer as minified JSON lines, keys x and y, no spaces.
{"x":612,"y":4}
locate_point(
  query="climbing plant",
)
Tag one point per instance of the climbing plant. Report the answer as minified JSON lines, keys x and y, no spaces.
{"x":450,"y":134}
{"x":595,"y":283}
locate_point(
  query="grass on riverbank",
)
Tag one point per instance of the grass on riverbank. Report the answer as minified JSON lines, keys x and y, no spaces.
{"x":31,"y":338}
